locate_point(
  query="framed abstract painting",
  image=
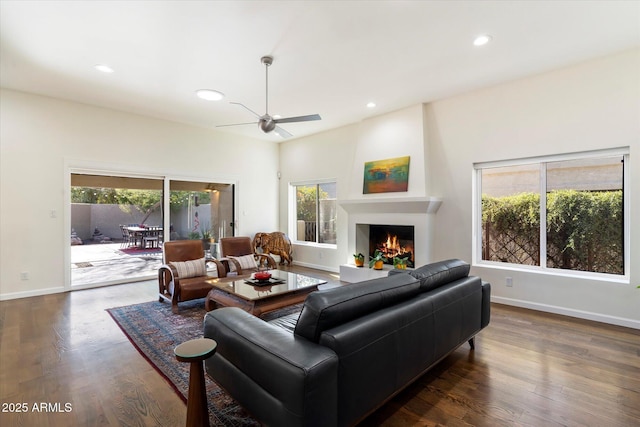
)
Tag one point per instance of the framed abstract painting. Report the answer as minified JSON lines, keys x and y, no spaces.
{"x":386,"y":176}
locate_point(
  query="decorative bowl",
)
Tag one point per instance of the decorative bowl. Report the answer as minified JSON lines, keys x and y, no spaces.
{"x":262,"y":276}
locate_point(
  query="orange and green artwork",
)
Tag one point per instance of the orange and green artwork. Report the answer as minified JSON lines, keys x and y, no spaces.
{"x":386,"y":176}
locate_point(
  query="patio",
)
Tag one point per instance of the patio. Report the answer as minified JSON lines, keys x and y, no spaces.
{"x":107,"y":263}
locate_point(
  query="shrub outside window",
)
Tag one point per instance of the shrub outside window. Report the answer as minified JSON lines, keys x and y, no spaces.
{"x":315,"y":212}
{"x":557,"y":213}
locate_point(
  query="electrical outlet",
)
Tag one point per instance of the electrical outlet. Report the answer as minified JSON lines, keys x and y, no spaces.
{"x":509,"y":281}
{"x":24,"y":275}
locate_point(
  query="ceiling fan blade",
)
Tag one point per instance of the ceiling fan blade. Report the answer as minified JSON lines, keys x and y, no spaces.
{"x":237,"y":124}
{"x":246,"y":108}
{"x":299,"y":119}
{"x":283,"y":133}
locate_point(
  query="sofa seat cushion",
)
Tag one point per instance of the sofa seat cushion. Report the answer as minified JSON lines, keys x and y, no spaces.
{"x":326,"y":309}
{"x":434,"y":275}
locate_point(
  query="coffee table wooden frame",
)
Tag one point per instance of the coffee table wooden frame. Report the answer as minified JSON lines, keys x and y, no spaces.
{"x":222,"y":297}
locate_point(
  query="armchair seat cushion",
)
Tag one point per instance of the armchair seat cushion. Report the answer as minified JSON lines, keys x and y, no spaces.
{"x":194,"y":287}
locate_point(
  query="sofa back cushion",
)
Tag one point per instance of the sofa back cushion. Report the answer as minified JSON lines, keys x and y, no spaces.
{"x":434,"y":275}
{"x":324,"y":310}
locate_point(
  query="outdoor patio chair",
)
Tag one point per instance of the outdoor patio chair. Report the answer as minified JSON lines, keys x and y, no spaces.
{"x":238,"y":256}
{"x":126,"y":237}
{"x":152,"y":238}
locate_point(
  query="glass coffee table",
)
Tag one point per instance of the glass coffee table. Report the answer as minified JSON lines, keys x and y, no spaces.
{"x":283,"y":289}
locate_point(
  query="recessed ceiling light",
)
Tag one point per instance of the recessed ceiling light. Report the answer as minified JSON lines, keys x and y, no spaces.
{"x":371,"y":104}
{"x":209,"y":94}
{"x":481,"y":40}
{"x":103,"y":68}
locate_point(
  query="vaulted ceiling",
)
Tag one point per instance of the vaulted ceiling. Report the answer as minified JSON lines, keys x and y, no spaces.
{"x":330,"y":57}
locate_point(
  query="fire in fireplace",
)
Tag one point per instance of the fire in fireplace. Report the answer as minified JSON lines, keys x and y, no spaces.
{"x":392,"y":241}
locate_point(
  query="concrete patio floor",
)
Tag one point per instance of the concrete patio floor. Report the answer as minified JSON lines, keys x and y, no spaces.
{"x":105,"y":263}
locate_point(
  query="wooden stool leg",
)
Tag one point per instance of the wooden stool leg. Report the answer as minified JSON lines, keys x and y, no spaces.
{"x":197,"y":409}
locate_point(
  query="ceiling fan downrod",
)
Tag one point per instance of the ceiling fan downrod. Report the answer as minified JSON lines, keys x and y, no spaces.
{"x":267,"y":61}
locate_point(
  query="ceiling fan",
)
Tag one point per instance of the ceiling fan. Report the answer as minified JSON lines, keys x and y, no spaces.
{"x":266,"y":122}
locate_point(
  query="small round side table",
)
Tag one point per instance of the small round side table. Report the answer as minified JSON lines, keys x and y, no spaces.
{"x":194,"y":352}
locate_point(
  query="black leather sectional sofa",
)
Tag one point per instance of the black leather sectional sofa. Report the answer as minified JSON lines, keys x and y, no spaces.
{"x":353,"y":347}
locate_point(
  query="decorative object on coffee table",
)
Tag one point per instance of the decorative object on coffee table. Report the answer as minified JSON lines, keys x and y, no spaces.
{"x":262,"y":276}
{"x":195,"y":352}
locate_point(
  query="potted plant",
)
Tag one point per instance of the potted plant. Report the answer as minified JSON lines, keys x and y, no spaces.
{"x":400,"y":263}
{"x":359,"y":259}
{"x":377,"y":260}
{"x":206,"y":238}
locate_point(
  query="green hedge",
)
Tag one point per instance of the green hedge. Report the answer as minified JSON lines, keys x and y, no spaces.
{"x":584,"y":230}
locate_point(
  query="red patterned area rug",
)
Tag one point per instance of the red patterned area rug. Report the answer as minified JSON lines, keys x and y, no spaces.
{"x":155,"y":331}
{"x":137,"y":251}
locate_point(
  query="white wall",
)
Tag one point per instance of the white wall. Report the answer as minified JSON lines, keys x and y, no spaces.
{"x":42,"y":138}
{"x":594,"y":105}
{"x":340,"y":154}
{"x":328,"y":155}
{"x":396,"y":134}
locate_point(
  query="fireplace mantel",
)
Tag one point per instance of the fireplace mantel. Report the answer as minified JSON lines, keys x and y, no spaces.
{"x":424,"y":205}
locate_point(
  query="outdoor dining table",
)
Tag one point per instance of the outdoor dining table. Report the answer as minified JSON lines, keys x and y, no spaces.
{"x":143,"y":232}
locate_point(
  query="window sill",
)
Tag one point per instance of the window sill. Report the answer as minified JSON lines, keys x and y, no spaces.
{"x":315,"y":245}
{"x":600,"y":277}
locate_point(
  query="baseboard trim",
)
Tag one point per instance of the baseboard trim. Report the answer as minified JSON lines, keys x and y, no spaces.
{"x":57,"y":290}
{"x":34,"y":293}
{"x":317,"y":266}
{"x":580,"y":314}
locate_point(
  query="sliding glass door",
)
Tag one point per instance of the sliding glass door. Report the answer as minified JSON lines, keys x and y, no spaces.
{"x":201,"y":210}
{"x":118,"y":223}
{"x":116,"y":228}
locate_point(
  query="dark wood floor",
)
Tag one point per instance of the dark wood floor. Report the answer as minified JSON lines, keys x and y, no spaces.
{"x":528,"y":368}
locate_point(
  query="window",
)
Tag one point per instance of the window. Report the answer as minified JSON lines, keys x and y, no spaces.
{"x":564,"y":212}
{"x":314,"y":212}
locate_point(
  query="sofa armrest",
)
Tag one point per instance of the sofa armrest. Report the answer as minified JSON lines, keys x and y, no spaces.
{"x":486,"y":304}
{"x":280,"y":378}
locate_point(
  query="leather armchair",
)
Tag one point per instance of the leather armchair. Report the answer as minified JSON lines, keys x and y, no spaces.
{"x":172,"y":287}
{"x":241,"y":246}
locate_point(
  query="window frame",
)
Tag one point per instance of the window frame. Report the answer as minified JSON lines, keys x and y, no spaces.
{"x":293,"y":212}
{"x":542,"y":161}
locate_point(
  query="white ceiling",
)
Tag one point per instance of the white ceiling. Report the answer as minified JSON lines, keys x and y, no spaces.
{"x":331,"y":57}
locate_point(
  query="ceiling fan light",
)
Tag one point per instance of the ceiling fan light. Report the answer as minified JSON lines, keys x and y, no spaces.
{"x":481,"y":40}
{"x":104,"y":68}
{"x":209,"y":94}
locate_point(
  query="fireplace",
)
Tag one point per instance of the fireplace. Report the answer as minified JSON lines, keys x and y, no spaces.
{"x":391,"y":240}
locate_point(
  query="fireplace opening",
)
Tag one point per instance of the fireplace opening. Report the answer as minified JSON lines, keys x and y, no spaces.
{"x":392,"y":241}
